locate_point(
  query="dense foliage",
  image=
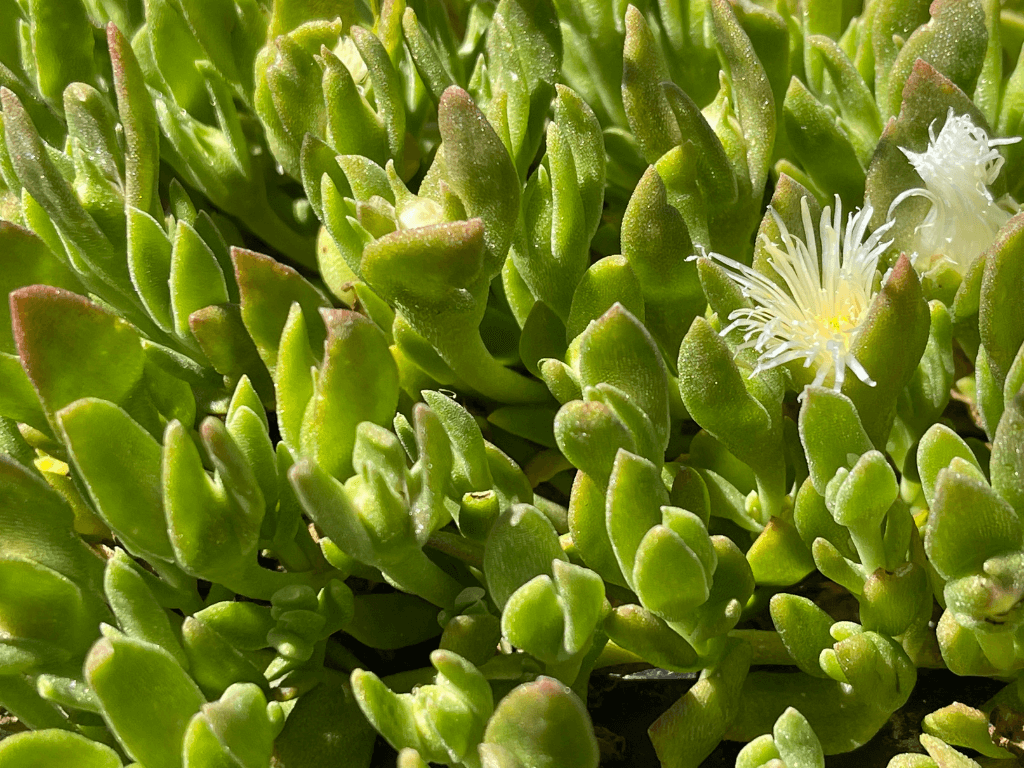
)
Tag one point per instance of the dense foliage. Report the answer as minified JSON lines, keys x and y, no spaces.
{"x":521,"y":339}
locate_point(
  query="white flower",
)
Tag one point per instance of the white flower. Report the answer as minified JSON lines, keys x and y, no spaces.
{"x":957,"y":168}
{"x":817,"y":313}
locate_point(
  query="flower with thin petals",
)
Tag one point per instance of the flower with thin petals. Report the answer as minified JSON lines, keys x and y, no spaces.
{"x":957,"y":168}
{"x":816,"y":313}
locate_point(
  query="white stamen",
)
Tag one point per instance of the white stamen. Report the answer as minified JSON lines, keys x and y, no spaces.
{"x":816,"y":313}
{"x":957,"y":168}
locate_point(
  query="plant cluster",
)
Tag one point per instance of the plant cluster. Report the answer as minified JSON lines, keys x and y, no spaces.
{"x":541,"y":336}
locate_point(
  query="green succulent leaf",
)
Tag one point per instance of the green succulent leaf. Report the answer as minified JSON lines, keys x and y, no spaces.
{"x":778,"y":556}
{"x":1007,"y":463}
{"x":39,"y":525}
{"x":823,"y":148}
{"x":796,"y":742}
{"x":890,"y":363}
{"x":617,"y":350}
{"x":146,"y":697}
{"x":686,"y":733}
{"x":56,"y":747}
{"x":544,"y":724}
{"x":234,"y":732}
{"x":141,"y":129}
{"x":608,"y":281}
{"x":37,"y":314}
{"x":639,"y":630}
{"x":480,"y":172}
{"x":62,"y":45}
{"x":522,"y":545}
{"x":653,"y":236}
{"x":804,"y":629}
{"x":119,"y":463}
{"x":936,"y":450}
{"x":644,"y":73}
{"x":268,"y":289}
{"x":954,"y":42}
{"x":754,"y":102}
{"x":590,"y":435}
{"x":1001,"y":316}
{"x":740,"y":414}
{"x":326,"y":725}
{"x":968,"y":524}
{"x":831,"y":433}
{"x":136,"y":608}
{"x":28,"y":261}
{"x":343,"y":396}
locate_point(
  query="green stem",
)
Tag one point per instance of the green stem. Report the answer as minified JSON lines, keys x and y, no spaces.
{"x":870,"y":547}
{"x":291,"y":556}
{"x":182,"y":584}
{"x":581,"y":686}
{"x":709,"y":649}
{"x":404,"y":682}
{"x":468,"y":551}
{"x":310,"y":549}
{"x":770,"y":499}
{"x":419,"y":575}
{"x":515,"y":666}
{"x":341,"y":657}
{"x":767,"y":646}
{"x":567,"y":671}
{"x":546,"y":465}
{"x":260,"y":583}
{"x":268,"y":226}
{"x":613,"y":655}
{"x":770,"y":476}
{"x":464,"y":351}
{"x":685,"y":630}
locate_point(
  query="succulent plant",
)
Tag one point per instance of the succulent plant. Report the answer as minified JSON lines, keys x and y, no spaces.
{"x":379,"y":375}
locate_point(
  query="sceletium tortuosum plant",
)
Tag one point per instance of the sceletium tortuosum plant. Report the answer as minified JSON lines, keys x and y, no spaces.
{"x":390,"y":370}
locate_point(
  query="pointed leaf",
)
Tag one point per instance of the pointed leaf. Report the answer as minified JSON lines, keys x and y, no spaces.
{"x":616,"y":349}
{"x":831,"y":432}
{"x":147,"y":699}
{"x":119,"y":463}
{"x":267,"y":290}
{"x":52,"y":326}
{"x":234,"y":731}
{"x":358,"y":382}
{"x":480,"y":172}
{"x":26,"y":260}
{"x":635,"y":497}
{"x":521,"y":546}
{"x":968,"y":524}
{"x":196,"y":280}
{"x":141,"y":129}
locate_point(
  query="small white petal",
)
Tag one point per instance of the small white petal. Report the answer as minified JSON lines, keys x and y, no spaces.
{"x":957,"y":168}
{"x":816,"y":312}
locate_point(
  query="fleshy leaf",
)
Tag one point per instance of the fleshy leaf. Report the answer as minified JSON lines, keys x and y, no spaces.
{"x":968,"y":524}
{"x":147,"y":698}
{"x":357,"y":382}
{"x":55,"y":747}
{"x":52,"y":326}
{"x":119,"y":463}
{"x":545,"y":725}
